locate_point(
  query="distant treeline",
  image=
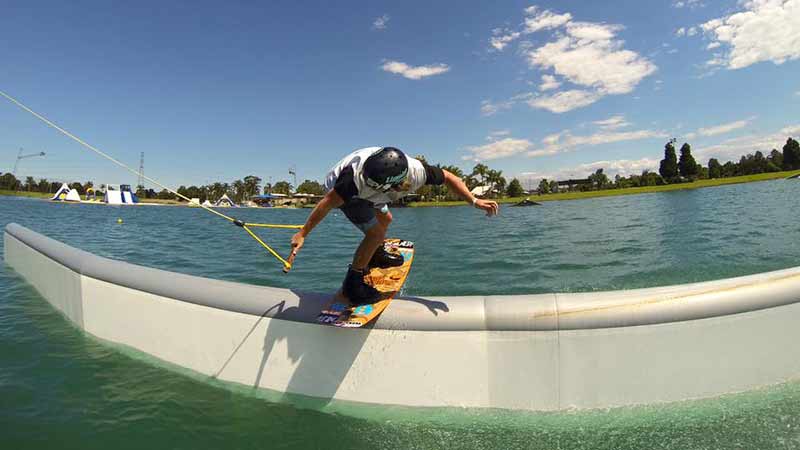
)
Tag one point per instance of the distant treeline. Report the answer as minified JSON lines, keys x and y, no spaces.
{"x":238,"y":191}
{"x":672,"y":169}
{"x":684,"y":169}
{"x":242,"y":190}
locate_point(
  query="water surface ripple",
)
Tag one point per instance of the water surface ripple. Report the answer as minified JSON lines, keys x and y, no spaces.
{"x":62,"y":389}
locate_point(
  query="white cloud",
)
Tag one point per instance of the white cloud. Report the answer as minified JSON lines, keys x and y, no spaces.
{"x":683,"y":31}
{"x":562,"y":102}
{"x":414,"y":73}
{"x":588,"y":32}
{"x":622,"y":167}
{"x":553,"y":144}
{"x":612,"y":123}
{"x":612,"y":70}
{"x":494,"y":135}
{"x":733,"y":149}
{"x":687,"y":4}
{"x":767,"y":30}
{"x":502,"y":38}
{"x":549,"y":82}
{"x":723,"y":128}
{"x":489,"y":109}
{"x":791,"y":131}
{"x":565,"y":142}
{"x":543,"y":20}
{"x":522,"y":97}
{"x":553,"y":139}
{"x":535,"y":20}
{"x":586,"y":54}
{"x":381,"y":22}
{"x":498,"y":149}
{"x":713,"y":45}
{"x":627,"y":167}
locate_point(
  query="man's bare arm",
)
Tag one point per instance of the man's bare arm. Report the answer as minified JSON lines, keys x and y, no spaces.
{"x":455,"y":184}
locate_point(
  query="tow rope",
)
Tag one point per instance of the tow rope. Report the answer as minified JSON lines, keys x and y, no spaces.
{"x":287,"y":265}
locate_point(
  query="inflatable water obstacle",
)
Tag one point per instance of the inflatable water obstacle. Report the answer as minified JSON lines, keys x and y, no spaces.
{"x":66,"y":194}
{"x":543,"y":352}
{"x":120,"y":195}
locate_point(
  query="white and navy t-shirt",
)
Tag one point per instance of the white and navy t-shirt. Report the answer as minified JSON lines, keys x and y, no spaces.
{"x":347,"y":178}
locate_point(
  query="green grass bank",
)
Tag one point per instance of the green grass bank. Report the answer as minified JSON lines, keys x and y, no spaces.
{"x":25,"y":194}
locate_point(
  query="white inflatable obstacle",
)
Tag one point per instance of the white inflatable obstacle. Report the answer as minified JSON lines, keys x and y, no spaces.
{"x":540,"y":352}
{"x":225,"y":202}
{"x":120,"y":195}
{"x":66,"y":194}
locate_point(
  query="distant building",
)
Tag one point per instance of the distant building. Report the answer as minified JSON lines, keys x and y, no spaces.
{"x":573,"y":183}
{"x":270,"y":200}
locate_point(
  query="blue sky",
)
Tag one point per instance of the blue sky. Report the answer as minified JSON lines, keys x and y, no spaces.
{"x":218,"y":90}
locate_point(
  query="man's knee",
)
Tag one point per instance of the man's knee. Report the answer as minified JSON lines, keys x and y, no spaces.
{"x":384,"y":219}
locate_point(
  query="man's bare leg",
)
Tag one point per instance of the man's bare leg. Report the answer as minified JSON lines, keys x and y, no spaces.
{"x":373,"y":239}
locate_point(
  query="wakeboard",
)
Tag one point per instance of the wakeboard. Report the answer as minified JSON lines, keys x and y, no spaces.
{"x":340,"y":313}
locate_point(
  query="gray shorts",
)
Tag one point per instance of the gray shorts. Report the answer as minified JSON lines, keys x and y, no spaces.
{"x":361,"y":213}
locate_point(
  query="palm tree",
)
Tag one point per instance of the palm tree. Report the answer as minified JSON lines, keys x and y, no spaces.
{"x":454,"y":170}
{"x":238,"y":188}
{"x":495,"y":180}
{"x":251,"y":183}
{"x":480,"y":170}
{"x":30,"y":183}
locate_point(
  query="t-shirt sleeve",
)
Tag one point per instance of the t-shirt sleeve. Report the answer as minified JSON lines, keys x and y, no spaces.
{"x":433,"y":175}
{"x":345,"y":184}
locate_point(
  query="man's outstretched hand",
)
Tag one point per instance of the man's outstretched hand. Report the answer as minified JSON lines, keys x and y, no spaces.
{"x":491,"y":208}
{"x":297,"y":243}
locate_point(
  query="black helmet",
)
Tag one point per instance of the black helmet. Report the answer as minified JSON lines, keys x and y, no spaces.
{"x":385,"y":168}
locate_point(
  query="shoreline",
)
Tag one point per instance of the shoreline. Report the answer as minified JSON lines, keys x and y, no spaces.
{"x":700,"y":184}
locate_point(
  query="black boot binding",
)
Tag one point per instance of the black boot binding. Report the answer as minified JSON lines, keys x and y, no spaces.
{"x":384,"y":259}
{"x":358,"y":292}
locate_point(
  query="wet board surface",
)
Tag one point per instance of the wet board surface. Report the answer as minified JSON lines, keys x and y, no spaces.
{"x":339,"y":312}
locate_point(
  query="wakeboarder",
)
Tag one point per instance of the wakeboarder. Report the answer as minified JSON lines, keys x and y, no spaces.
{"x":362,"y":185}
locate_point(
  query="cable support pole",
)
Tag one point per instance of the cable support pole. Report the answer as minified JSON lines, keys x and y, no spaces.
{"x":20,"y":157}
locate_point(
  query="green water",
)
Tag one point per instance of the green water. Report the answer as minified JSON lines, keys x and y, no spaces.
{"x":62,"y":389}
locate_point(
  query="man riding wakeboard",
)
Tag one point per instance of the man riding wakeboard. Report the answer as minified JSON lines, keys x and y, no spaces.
{"x":362,"y":185}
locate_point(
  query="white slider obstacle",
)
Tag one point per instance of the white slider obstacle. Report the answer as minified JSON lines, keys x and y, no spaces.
{"x":543,"y":352}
